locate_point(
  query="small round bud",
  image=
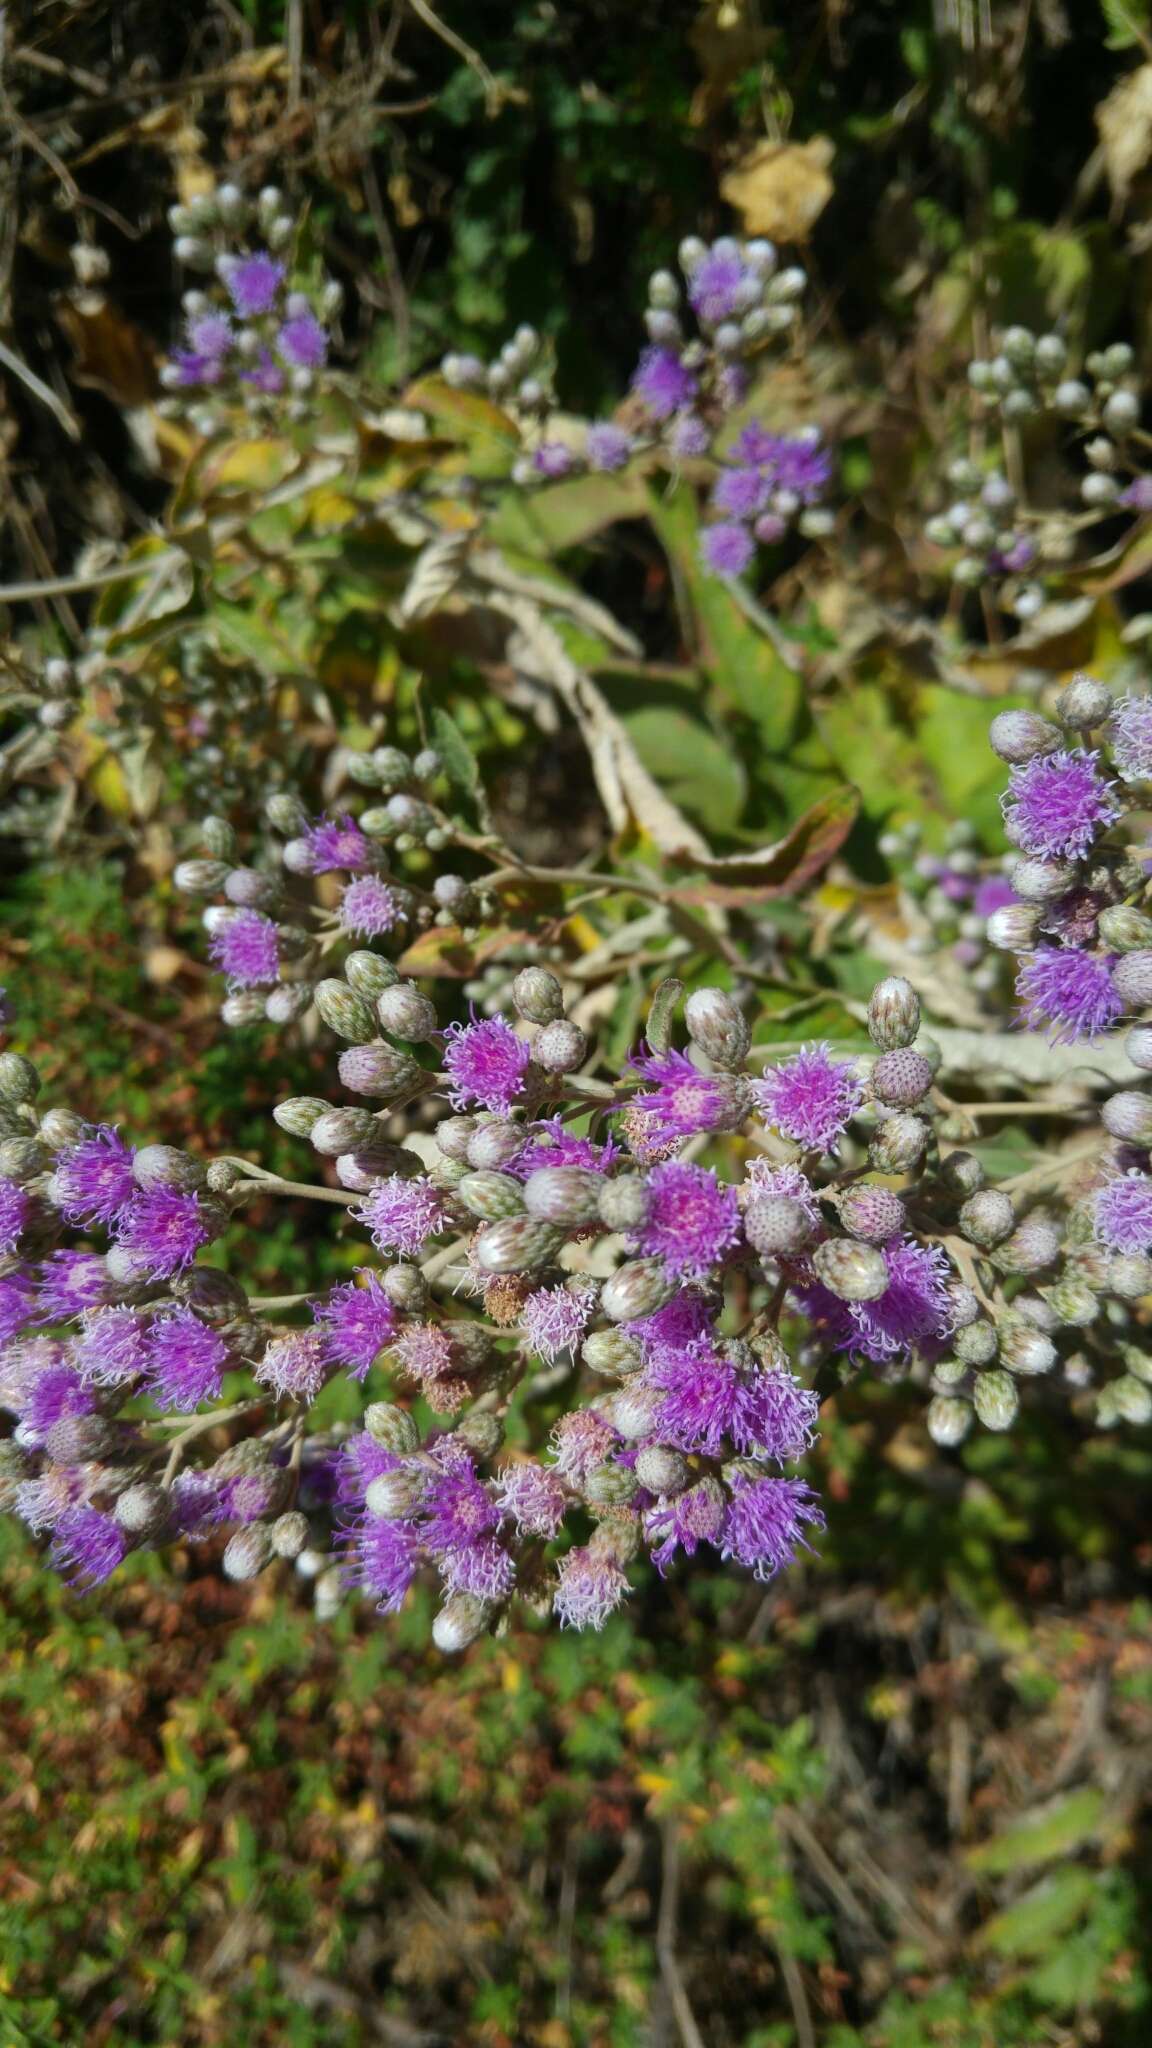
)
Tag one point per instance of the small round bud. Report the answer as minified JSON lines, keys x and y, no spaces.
{"x":778,"y":1226}
{"x":1084,"y":703}
{"x":977,"y":1344}
{"x":215,"y":1296}
{"x":492,"y":1195}
{"x":162,"y":1166}
{"x":899,"y":1144}
{"x":1124,"y":1400}
{"x":964,"y":1302}
{"x":566,"y":1195}
{"x":342,"y":1130}
{"x":289,"y":1534}
{"x":632,"y":1410}
{"x":288,"y":1003}
{"x":948,"y":1421}
{"x":1121,"y":412}
{"x":987,"y":1218}
{"x":453,"y":1134}
{"x":200,"y":877}
{"x":1074,"y":1303}
{"x":637,"y":1288}
{"x":1127,"y":1115}
{"x":560,"y":1048}
{"x":609,"y":1486}
{"x":962,"y":1173}
{"x":624,"y":1203}
{"x":538,"y":996}
{"x":299,"y":1113}
{"x":406,"y":1012}
{"x":893,"y":1014}
{"x":1099,"y":489}
{"x":494,"y":1144}
{"x":1013,"y":928}
{"x":247,"y":1553}
{"x":23,"y":1159}
{"x":379,"y":1070}
{"x":344,"y":1012}
{"x":661,"y":1469}
{"x":610,"y":1351}
{"x":1071,"y":398}
{"x":59,"y":1128}
{"x":143,"y":1509}
{"x":249,"y":889}
{"x":1026,"y":1351}
{"x":1132,"y":979}
{"x":1033,"y":1245}
{"x":871,"y":1213}
{"x":393,"y":1495}
{"x":996,"y":1399}
{"x":516,"y":1244}
{"x":19,"y":1081}
{"x":1019,"y":736}
{"x":1042,"y":881}
{"x":1137,"y":1045}
{"x":851,"y":1271}
{"x":1124,"y":929}
{"x":369,"y":974}
{"x":285,"y":813}
{"x":78,"y":1439}
{"x":718,"y":1026}
{"x":1130,"y":1276}
{"x":481,"y":1434}
{"x":406,"y":1288}
{"x":902,"y":1078}
{"x":460,"y":1621}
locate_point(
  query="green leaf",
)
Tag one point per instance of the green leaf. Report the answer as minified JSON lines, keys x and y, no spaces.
{"x":698,"y":772}
{"x":1041,"y":1836}
{"x":1030,"y":1924}
{"x":457,"y":756}
{"x":548,"y":521}
{"x":1128,"y":24}
{"x":784,"y":868}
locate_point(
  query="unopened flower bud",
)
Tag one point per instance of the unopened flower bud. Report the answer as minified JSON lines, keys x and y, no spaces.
{"x":481,"y":1434}
{"x":987,"y":1218}
{"x":1130,"y":1276}
{"x":22,"y":1159}
{"x":406,"y":1288}
{"x":369,"y":974}
{"x":893,"y":1014}
{"x":1013,"y":928}
{"x":637,"y":1288}
{"x":393,"y":1495}
{"x":872,"y":1213}
{"x":977,"y":1343}
{"x":609,"y":1486}
{"x":1075,"y":1305}
{"x":78,"y":1439}
{"x":1127,"y":1115}
{"x":215,"y":1296}
{"x":1132,"y":979}
{"x":289,"y":1534}
{"x":632,"y":1410}
{"x":460,"y":1621}
{"x":964,"y":1303}
{"x":143,"y":1509}
{"x":538,"y":996}
{"x":662,"y":1469}
{"x":516,"y":1244}
{"x":200,"y":877}
{"x":624,"y":1203}
{"x":285,"y":813}
{"x":851,"y":1271}
{"x":492,"y":1145}
{"x":1034,"y":1244}
{"x":777,"y":1226}
{"x":718,"y":1026}
{"x":244,"y":1006}
{"x":344,"y":1012}
{"x":19,"y":1081}
{"x":299,"y":1113}
{"x":247,"y":1553}
{"x":406,"y":1012}
{"x":342,"y":1130}
{"x":1019,"y":736}
{"x":1084,"y":703}
{"x":1026,"y":1351}
{"x":560,"y":1048}
{"x":948,"y":1420}
{"x":899,"y":1144}
{"x":567,"y":1195}
{"x":610,"y":1351}
{"x":996,"y":1400}
{"x":902,"y":1078}
{"x":492,"y":1195}
{"x":163,"y":1166}
{"x":962,"y":1173}
{"x":289,"y":1002}
{"x":453,"y":1134}
{"x":1125,"y":1400}
{"x":1042,"y":881}
{"x":1125,"y":929}
{"x":378,"y":1069}
{"x":1137,"y":1045}
{"x":249,"y":889}
{"x":59,"y":1128}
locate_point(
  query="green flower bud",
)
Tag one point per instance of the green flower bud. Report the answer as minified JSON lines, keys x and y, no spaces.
{"x":345,"y":1012}
{"x":491,"y":1195}
{"x":60,"y":1128}
{"x":560,"y":1048}
{"x":638,"y":1288}
{"x":893,"y":1014}
{"x":1024,"y":1350}
{"x":286,"y":814}
{"x":460,"y":1621}
{"x":624,"y":1203}
{"x":1130,"y":1276}
{"x":453,"y":1134}
{"x":996,"y":1400}
{"x":610,"y":1486}
{"x":662,"y":1469}
{"x":482,"y":1434}
{"x":610,"y":1351}
{"x":777,"y":1226}
{"x":407,"y":1013}
{"x":1124,"y":1400}
{"x":632,"y":1410}
{"x":200,"y":877}
{"x":538,"y":996}
{"x":566,"y":1195}
{"x":369,"y":974}
{"x":962,"y":1173}
{"x":394,"y":1494}
{"x":493,"y":1144}
{"x":898,"y":1144}
{"x":851,"y":1271}
{"x":299,"y":1113}
{"x":987,"y":1218}
{"x":718,"y":1026}
{"x":22,"y":1159}
{"x":1125,"y":929}
{"x":1074,"y":1304}
{"x":19,"y":1081}
{"x":343,"y":1130}
{"x":247,"y":1553}
{"x":977,"y":1344}
{"x":948,"y":1420}
{"x":163,"y":1166}
{"x":144,"y":1509}
{"x":289,"y":1534}
{"x":516,"y":1244}
{"x":406,"y":1289}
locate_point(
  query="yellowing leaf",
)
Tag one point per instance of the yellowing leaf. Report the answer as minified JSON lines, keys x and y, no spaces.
{"x":1125,"y":123}
{"x":782,"y":188}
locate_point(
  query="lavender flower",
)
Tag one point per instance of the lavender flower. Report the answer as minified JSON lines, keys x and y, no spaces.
{"x":590,"y":1586}
{"x":54,"y":1394}
{"x":485,"y":1063}
{"x":551,"y":1143}
{"x":662,"y":383}
{"x":369,"y":908}
{"x":184,"y":1361}
{"x":741,"y":493}
{"x":553,"y":459}
{"x":457,"y":1508}
{"x":715,"y":285}
{"x":689,"y":437}
{"x":534,"y":1497}
{"x":161,"y":1231}
{"x":684,"y":1101}
{"x":253,"y":283}
{"x":382,"y":1558}
{"x":701,"y":1393}
{"x":1070,"y":990}
{"x":607,"y":447}
{"x":247,"y":949}
{"x":87,"y":1546}
{"x":766,"y":1523}
{"x":93,"y":1180}
{"x":339,"y":843}
{"x":68,"y":1283}
{"x":555,"y":1318}
{"x":264,"y":376}
{"x":15,"y":1209}
{"x":811,"y":1098}
{"x":582,"y":1440}
{"x":295,"y":1366}
{"x":110,"y":1350}
{"x":692,"y":1220}
{"x":1122,"y":1213}
{"x":1058,"y":804}
{"x":17,"y":1304}
{"x":211,"y":335}
{"x":401,"y":1214}
{"x":1131,"y":735}
{"x":302,"y":342}
{"x":914,"y":1307}
{"x":726,"y":548}
{"x":684,"y":1522}
{"x":484,"y":1569}
{"x":774,"y":1416}
{"x":357,"y":1321}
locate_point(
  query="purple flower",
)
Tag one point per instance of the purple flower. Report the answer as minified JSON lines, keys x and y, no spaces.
{"x":302,"y":342}
{"x":766,"y":1521}
{"x":607,"y":446}
{"x":1122,"y":1213}
{"x":662,"y":383}
{"x":15,"y":1208}
{"x":914,"y":1307}
{"x":161,"y":1231}
{"x":110,"y":1349}
{"x":582,"y":1440}
{"x":701,"y":1396}
{"x":1138,"y":496}
{"x":68,"y":1283}
{"x":1130,"y":731}
{"x":424,"y":1351}
{"x":93,"y":1180}
{"x":294,"y":1366}
{"x":247,"y":949}
{"x":253,"y":283}
{"x":1058,"y":804}
{"x":811,"y":1098}
{"x":485,"y":1063}
{"x":17,"y":1304}
{"x":764,"y":1179}
{"x":684,"y":1325}
{"x":1070,"y":990}
{"x":339,"y":843}
{"x":550,"y":1143}
{"x":483,"y":1568}
{"x":714,"y":288}
{"x":689,"y":437}
{"x":195,"y":1503}
{"x":553,"y":459}
{"x":87,"y":1546}
{"x":359,"y":1461}
{"x":590,"y":1586}
{"x":368,"y":908}
{"x":741,"y":493}
{"x":192,"y":369}
{"x":555,"y":1318}
{"x":726,"y":548}
{"x":684,"y":1522}
{"x":994,"y":893}
{"x":534,"y":1497}
{"x":382,"y":1558}
{"x":264,"y":376}
{"x":457,"y":1508}
{"x":692,"y":1220}
{"x":401,"y":1214}
{"x":52,"y":1395}
{"x":774,"y":1416}
{"x":184,"y":1361}
{"x":684,"y":1101}
{"x":357,"y":1321}
{"x":210,"y":334}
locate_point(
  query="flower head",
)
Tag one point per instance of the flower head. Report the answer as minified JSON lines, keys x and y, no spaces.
{"x":766,"y":1522}
{"x":87,"y":1546}
{"x":915,"y":1306}
{"x":369,"y":908}
{"x":662,"y":383}
{"x":726,"y":548}
{"x":607,"y":446}
{"x":701,"y":1392}
{"x":457,"y":1508}
{"x":17,"y":1304}
{"x":689,"y":437}
{"x":810,"y":1098}
{"x":339,"y":843}
{"x":582,"y":1440}
{"x":553,"y":459}
{"x":357,"y":1323}
{"x":714,"y":288}
{"x":590,"y":1585}
{"x":1122,"y":1213}
{"x":54,"y":1394}
{"x":685,"y":1521}
{"x":161,"y":1230}
{"x":550,"y":1143}
{"x":211,"y":335}
{"x":555,"y":1318}
{"x":534,"y":1497}
{"x":295,"y":1365}
{"x":68,"y":1283}
{"x":1131,"y":734}
{"x":683,"y":1101}
{"x":774,"y":1416}
{"x":253,"y":283}
{"x":692,"y":1221}
{"x":1070,"y":990}
{"x":1058,"y":804}
{"x":15,"y":1209}
{"x":359,"y":1461}
{"x":184,"y":1360}
{"x":485,"y":1063}
{"x":110,"y":1349}
{"x":741,"y":493}
{"x":264,"y":375}
{"x":302,"y":343}
{"x":382,"y":1558}
{"x":401,"y":1214}
{"x":247,"y":949}
{"x":93,"y":1180}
